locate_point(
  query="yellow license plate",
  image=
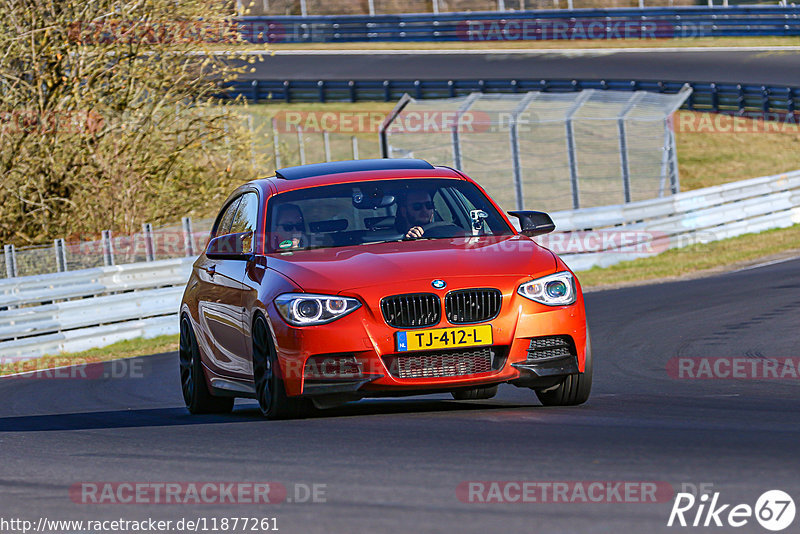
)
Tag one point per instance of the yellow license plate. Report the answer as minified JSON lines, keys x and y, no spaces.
{"x":444,"y":338}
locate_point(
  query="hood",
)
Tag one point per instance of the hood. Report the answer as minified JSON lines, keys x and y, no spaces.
{"x":333,"y":270}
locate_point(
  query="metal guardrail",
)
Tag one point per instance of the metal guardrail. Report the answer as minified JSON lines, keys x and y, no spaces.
{"x":706,"y":96}
{"x":700,"y":216}
{"x":33,"y":323}
{"x":46,"y":288}
{"x":578,"y":24}
{"x":75,"y":311}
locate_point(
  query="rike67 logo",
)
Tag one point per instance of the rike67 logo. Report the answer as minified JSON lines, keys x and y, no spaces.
{"x":774,"y":510}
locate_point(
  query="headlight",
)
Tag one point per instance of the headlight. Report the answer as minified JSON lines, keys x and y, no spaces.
{"x":554,"y":290}
{"x":304,"y":309}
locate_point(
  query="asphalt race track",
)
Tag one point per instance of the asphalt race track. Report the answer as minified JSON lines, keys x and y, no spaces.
{"x":721,"y":66}
{"x":394,"y":464}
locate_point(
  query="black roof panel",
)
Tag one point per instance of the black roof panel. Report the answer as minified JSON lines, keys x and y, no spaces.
{"x":357,"y":165}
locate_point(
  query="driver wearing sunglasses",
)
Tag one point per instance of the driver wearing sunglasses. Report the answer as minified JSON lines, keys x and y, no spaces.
{"x":416,"y":210}
{"x":289,"y":230}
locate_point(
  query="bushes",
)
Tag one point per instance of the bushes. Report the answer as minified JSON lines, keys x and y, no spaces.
{"x":109,"y":116}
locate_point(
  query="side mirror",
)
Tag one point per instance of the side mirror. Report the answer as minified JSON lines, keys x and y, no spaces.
{"x":231,"y":246}
{"x":534,"y":223}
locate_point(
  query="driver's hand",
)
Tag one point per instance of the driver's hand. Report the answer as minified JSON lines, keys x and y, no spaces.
{"x":415,"y":232}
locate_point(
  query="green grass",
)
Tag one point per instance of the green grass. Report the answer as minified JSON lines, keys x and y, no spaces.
{"x":694,"y":259}
{"x":122,"y":349}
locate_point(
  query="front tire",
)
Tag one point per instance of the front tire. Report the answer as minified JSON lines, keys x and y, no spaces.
{"x":270,"y":392}
{"x":574,"y":389}
{"x":196,"y":395}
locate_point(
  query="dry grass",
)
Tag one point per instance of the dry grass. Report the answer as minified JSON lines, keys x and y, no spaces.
{"x":684,"y":261}
{"x":357,"y":7}
{"x":709,"y":153}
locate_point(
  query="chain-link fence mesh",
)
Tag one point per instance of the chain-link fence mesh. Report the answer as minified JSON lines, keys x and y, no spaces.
{"x":551,"y":151}
{"x":168,"y":241}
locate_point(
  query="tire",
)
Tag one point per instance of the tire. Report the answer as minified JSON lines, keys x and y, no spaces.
{"x":574,"y":389}
{"x":483,"y":392}
{"x":270,"y":391}
{"x":196,"y":395}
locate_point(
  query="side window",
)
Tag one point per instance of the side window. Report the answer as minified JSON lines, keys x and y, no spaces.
{"x":226,"y":218}
{"x":245,"y":219}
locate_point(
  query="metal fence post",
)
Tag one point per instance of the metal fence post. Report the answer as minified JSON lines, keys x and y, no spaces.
{"x":303,"y":8}
{"x":674,"y":176}
{"x":188,"y":241}
{"x":108,"y":248}
{"x":275,"y":146}
{"x":571,"y":156}
{"x":354,"y":140}
{"x":301,"y":145}
{"x":326,"y":142}
{"x":514,"y":140}
{"x":623,"y":143}
{"x":61,"y":255}
{"x":454,"y":134}
{"x":252,"y":141}
{"x":11,"y":260}
{"x":664,"y":161}
{"x":149,"y":249}
{"x":501,"y":5}
{"x":372,"y":7}
{"x":435,"y":7}
{"x":383,"y":131}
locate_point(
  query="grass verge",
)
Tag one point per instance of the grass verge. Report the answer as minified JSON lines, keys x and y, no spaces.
{"x":129,"y":348}
{"x":700,"y":259}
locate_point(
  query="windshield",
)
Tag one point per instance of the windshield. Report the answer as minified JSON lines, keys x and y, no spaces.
{"x":359,"y":213}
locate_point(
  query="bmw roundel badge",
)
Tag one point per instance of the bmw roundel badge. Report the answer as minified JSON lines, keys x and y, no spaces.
{"x":439,"y":284}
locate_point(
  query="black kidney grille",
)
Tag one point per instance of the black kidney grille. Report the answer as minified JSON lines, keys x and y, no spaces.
{"x":466,"y":306}
{"x":544,"y":348}
{"x":412,"y":310}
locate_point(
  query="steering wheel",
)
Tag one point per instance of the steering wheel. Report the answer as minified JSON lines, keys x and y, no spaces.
{"x":440,"y":229}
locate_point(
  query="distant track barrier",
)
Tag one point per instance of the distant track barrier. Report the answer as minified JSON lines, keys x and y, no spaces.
{"x":577,"y":24}
{"x":714,"y":97}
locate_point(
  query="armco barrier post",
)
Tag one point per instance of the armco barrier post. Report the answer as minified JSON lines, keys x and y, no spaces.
{"x":108,"y":248}
{"x":61,"y":255}
{"x":188,"y":242}
{"x":149,"y":249}
{"x":354,"y":140}
{"x":11,"y":260}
